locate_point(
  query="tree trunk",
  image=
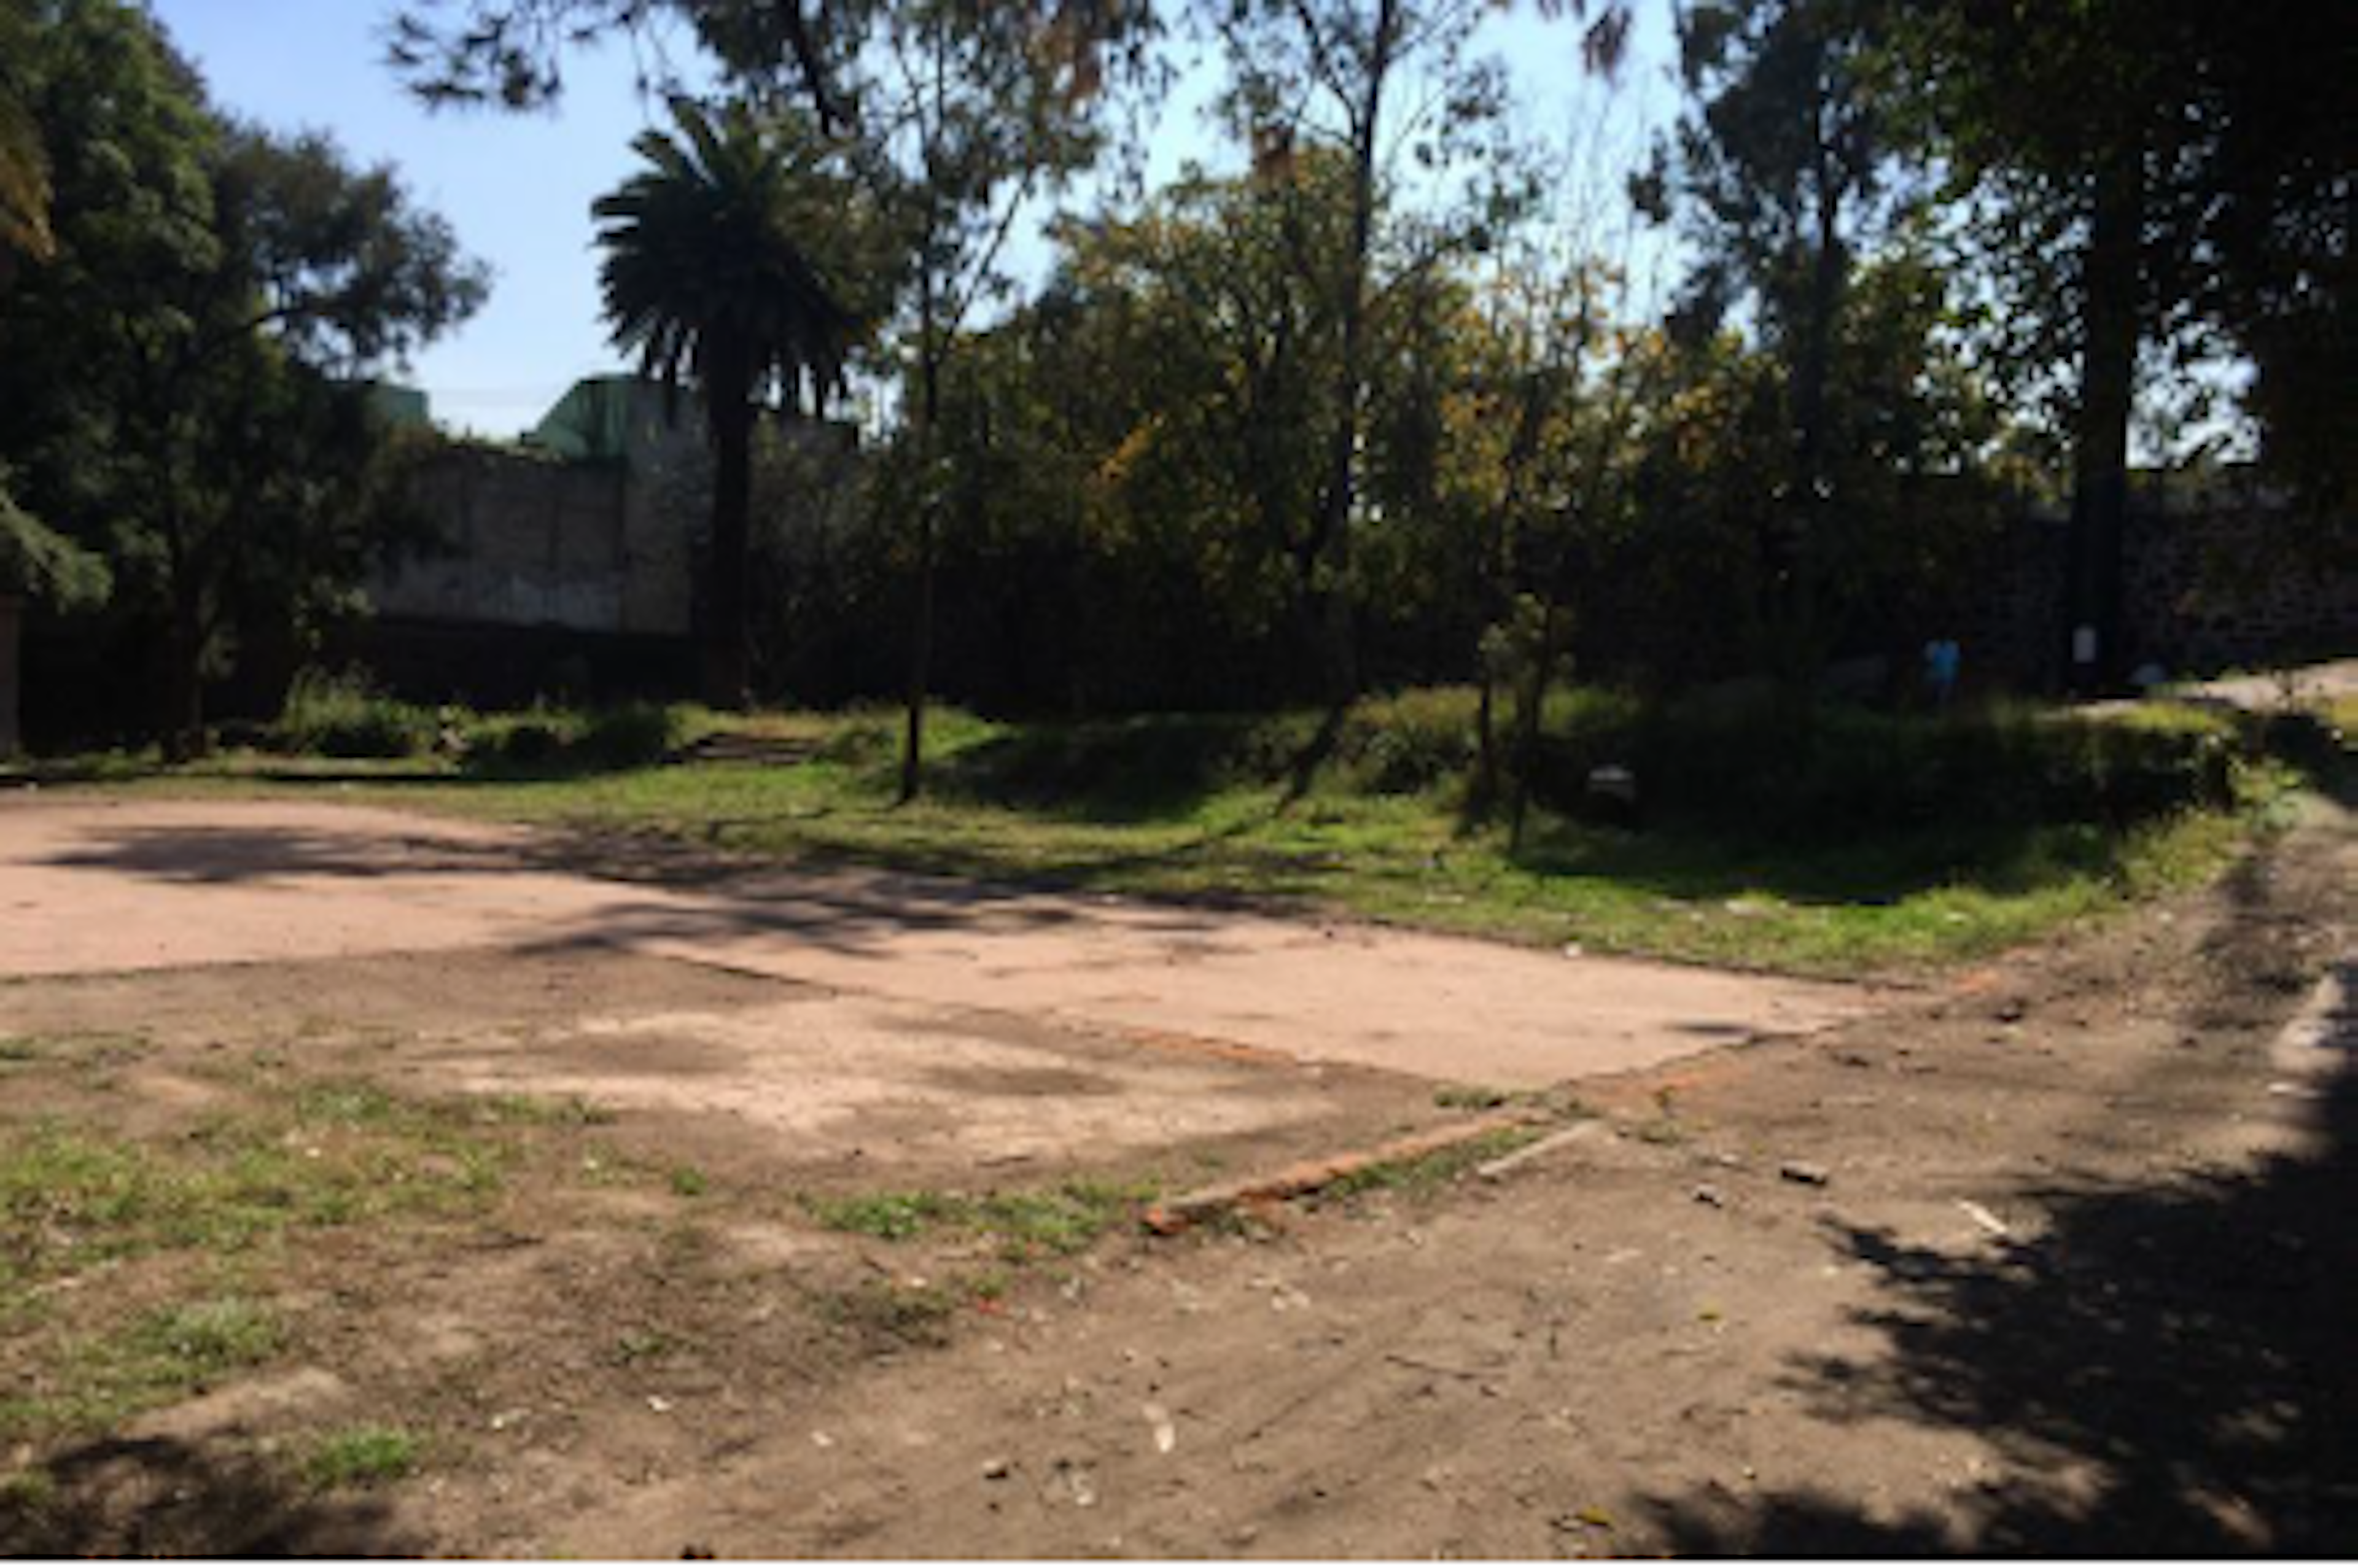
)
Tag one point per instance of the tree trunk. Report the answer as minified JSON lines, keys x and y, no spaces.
{"x":2093,"y":654}
{"x":1485,"y":743}
{"x":921,"y":659}
{"x":1332,"y":546}
{"x":1527,"y":723}
{"x":921,"y":635}
{"x":1794,"y":622}
{"x":184,"y":679}
{"x":727,"y":671}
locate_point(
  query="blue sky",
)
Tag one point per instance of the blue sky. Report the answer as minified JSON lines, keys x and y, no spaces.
{"x":518,"y":188}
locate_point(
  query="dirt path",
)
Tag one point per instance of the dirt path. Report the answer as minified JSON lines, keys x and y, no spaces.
{"x":2059,"y":1262}
{"x":95,"y":885}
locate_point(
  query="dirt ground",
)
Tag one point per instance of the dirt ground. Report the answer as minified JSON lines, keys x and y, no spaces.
{"x":2054,"y":1256}
{"x":94,"y":884}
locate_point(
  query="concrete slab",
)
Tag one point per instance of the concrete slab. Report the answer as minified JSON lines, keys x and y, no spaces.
{"x":100,"y":884}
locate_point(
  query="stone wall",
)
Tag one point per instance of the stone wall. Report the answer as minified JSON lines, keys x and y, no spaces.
{"x":2217,"y":579}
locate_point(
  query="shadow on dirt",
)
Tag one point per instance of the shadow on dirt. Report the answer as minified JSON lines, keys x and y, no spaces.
{"x":161,"y":1498}
{"x":2165,"y":1372}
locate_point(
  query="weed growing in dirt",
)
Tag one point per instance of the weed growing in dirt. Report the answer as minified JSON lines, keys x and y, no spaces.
{"x":1553,"y":1102}
{"x":30,"y":1492}
{"x":1427,"y":1174}
{"x":1050,"y":1222}
{"x":688,"y":1182}
{"x":362,"y":1456}
{"x":636,"y":1347}
{"x":905,"y":1311}
{"x":887,"y":1216}
{"x":86,"y":1052}
{"x":1471,"y":1096}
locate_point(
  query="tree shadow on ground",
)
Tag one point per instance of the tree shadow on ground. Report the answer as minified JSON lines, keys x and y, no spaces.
{"x":1690,"y":862}
{"x":163,"y":1497}
{"x":2167,"y":1370}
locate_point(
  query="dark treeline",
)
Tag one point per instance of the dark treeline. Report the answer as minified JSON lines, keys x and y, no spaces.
{"x":1396,"y":401}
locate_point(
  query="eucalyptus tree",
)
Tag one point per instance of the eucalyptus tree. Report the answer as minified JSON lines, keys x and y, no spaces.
{"x":729,"y":265}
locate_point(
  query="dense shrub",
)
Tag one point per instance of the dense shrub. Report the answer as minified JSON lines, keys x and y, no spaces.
{"x":633,"y":735}
{"x":1746,"y":764}
{"x":1407,"y":744}
{"x":343,"y":715}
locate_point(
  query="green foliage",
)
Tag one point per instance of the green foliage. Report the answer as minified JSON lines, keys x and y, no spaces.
{"x":38,"y":562}
{"x":714,"y":272}
{"x":1023,"y":1225}
{"x":327,"y":714}
{"x":100,"y":1378}
{"x":1744,"y":761}
{"x":179,"y":390}
{"x":365,"y":1455}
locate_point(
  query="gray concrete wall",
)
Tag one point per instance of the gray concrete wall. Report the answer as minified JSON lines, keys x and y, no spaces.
{"x":534,"y":541}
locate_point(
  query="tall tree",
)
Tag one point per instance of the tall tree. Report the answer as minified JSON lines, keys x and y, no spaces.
{"x":217,"y":293}
{"x":1351,"y":75}
{"x":1780,"y":170}
{"x":974,"y":112}
{"x":714,"y":275}
{"x":2173,"y":176}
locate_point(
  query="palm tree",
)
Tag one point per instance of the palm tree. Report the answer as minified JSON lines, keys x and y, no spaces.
{"x":709,"y":276}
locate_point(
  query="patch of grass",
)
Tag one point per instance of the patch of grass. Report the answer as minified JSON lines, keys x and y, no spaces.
{"x":1025,"y":1226}
{"x":688,"y":1182}
{"x":1877,"y":843}
{"x":96,"y":1380}
{"x":317,"y":1154}
{"x":887,"y":1216}
{"x":88,"y":1052}
{"x":534,"y":1110}
{"x":367,"y":1455}
{"x":1428,"y":1173}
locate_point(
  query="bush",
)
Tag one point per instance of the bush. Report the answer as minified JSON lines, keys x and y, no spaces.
{"x":1409,"y":742}
{"x":1742,"y":761}
{"x":634,"y":735}
{"x":343,"y":715}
